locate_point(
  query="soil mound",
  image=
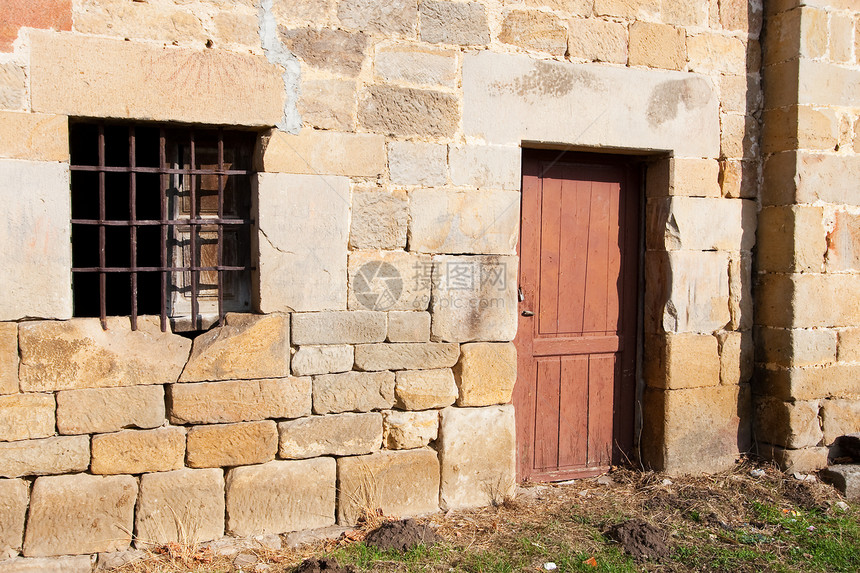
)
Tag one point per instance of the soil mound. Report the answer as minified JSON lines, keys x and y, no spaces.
{"x":401,"y":535}
{"x":640,"y":539}
{"x":325,"y":564}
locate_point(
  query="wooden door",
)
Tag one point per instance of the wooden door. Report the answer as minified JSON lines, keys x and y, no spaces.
{"x":577,"y":335}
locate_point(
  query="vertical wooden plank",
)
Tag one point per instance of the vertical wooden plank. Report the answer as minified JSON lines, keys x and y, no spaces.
{"x":546,"y":419}
{"x":549,"y":253}
{"x":614,"y":283}
{"x":575,"y":208}
{"x":597,"y":266}
{"x":601,"y":392}
{"x":573,"y":412}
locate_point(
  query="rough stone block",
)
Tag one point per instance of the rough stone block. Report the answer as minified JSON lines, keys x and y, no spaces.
{"x":790,"y":461}
{"x":9,"y":357}
{"x":379,"y":219}
{"x":797,"y":347}
{"x":841,"y":34}
{"x":686,"y":223}
{"x":328,"y":103}
{"x":808,"y":300}
{"x":386,"y":280}
{"x":474,"y":298}
{"x":800,"y":177}
{"x":335,"y":435}
{"x":739,"y":178}
{"x":675,"y":361}
{"x":79,"y":514}
{"x":689,"y":177}
{"x":449,"y":221}
{"x":740,"y":136}
{"x":34,"y":136}
{"x":657,"y":46}
{"x":417,"y":163}
{"x":103,"y":410}
{"x":166,"y":22}
{"x":740,"y":94}
{"x":281,"y":496}
{"x":792,"y":425}
{"x":791,"y":239}
{"x":353,"y":327}
{"x":710,"y":52}
{"x":377,"y":481}
{"x":849,"y":345}
{"x":846,"y":478}
{"x":183,"y":506}
{"x":741,"y":16}
{"x":485,"y":166}
{"x":26,"y":416}
{"x":839,"y":418}
{"x":574,"y":7}
{"x":424,"y":389}
{"x":828,"y":84}
{"x":303,"y":233}
{"x":68,"y":564}
{"x":486,"y":373}
{"x":13,"y":86}
{"x":240,"y":400}
{"x":353,"y":392}
{"x":627,"y":9}
{"x":310,"y":360}
{"x":247,"y":346}
{"x":416,"y":65}
{"x":810,"y":383}
{"x":67,"y":69}
{"x":741,"y":306}
{"x":407,"y":326}
{"x":138,"y":451}
{"x":463,"y":23}
{"x":695,"y":13}
{"x":409,"y":430}
{"x":477,"y":453}
{"x":398,"y":111}
{"x":45,"y":456}
{"x":334,"y":50}
{"x":406,"y":356}
{"x":397,"y":17}
{"x":534,"y":30}
{"x":80,"y":354}
{"x":36,"y":220}
{"x":804,"y":127}
{"x":241,"y":444}
{"x":597,"y":40}
{"x":843,"y":243}
{"x":736,"y":357}
{"x":14,"y":498}
{"x":314,"y":152}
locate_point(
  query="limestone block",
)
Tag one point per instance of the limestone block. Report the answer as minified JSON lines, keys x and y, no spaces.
{"x":238,"y":444}
{"x":810,"y":383}
{"x":740,"y":291}
{"x":687,"y":177}
{"x":474,"y":298}
{"x":843,"y":243}
{"x":138,"y":451}
{"x":463,"y":23}
{"x":314,"y":152}
{"x":791,"y":425}
{"x":240,"y":400}
{"x":790,"y":461}
{"x":409,"y":430}
{"x":657,"y":46}
{"x":576,"y":7}
{"x":139,"y":21}
{"x":183,"y":506}
{"x":824,"y":83}
{"x":424,"y":389}
{"x":397,"y":17}
{"x":303,"y":233}
{"x":76,"y":564}
{"x":329,"y":49}
{"x":376,"y":481}
{"x":486,"y":373}
{"x":839,"y":418}
{"x":701,"y":224}
{"x":281,"y":496}
{"x":710,"y":52}
{"x":449,"y":221}
{"x":533,"y":30}
{"x":807,"y":177}
{"x":34,"y":136}
{"x":406,"y":356}
{"x":26,"y":416}
{"x":36,"y":226}
{"x":841,"y":34}
{"x":103,"y":410}
{"x":802,"y":127}
{"x":791,"y":239}
{"x":808,"y":300}
{"x":44,"y":456}
{"x":597,"y":40}
{"x":695,"y":13}
{"x":14,"y":498}
{"x":237,"y":28}
{"x":9,"y":357}
{"x":323,"y":359}
{"x":741,"y":16}
{"x":675,"y":361}
{"x":328,"y":103}
{"x":398,"y":111}
{"x":415,"y":65}
{"x":335,"y":435}
{"x":408,"y":326}
{"x":417,"y":163}
{"x":736,"y":357}
{"x":353,"y":392}
{"x":617,"y":106}
{"x":305,"y":11}
{"x":79,"y":514}
{"x":627,"y":9}
{"x":387,"y":280}
{"x":849,"y":345}
{"x":485,"y":166}
{"x":13,"y":87}
{"x":477,"y":453}
{"x":796,"y":347}
{"x":740,"y":94}
{"x":67,"y":69}
{"x":353,"y":327}
{"x":80,"y":354}
{"x":739,"y":178}
{"x":247,"y":346}
{"x":379,"y":219}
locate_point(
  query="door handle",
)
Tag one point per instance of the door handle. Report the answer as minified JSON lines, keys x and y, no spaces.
{"x":528,"y":313}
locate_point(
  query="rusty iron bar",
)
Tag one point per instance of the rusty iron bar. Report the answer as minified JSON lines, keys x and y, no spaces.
{"x":132,"y":204}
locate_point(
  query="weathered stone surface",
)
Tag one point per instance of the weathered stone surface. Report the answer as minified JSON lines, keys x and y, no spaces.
{"x":424,"y":389}
{"x":739,"y":137}
{"x":80,"y":354}
{"x":386,"y":280}
{"x":67,"y":69}
{"x":240,"y":400}
{"x":839,"y":418}
{"x":14,"y":498}
{"x":247,"y":346}
{"x":849,"y":345}
{"x":36,"y":220}
{"x":409,"y":430}
{"x":675,"y":361}
{"x":379,"y":219}
{"x":790,"y":461}
{"x":307,"y":11}
{"x":415,"y":65}
{"x":657,"y":46}
{"x":335,"y":435}
{"x":34,"y":136}
{"x":800,"y":177}
{"x":825,"y":83}
{"x":685,"y":223}
{"x":462,"y":23}
{"x":239,"y":444}
{"x":597,"y":40}
{"x":9,"y":357}
{"x":354,"y":327}
{"x":717,"y":53}
{"x":397,"y":111}
{"x":323,"y":359}
{"x":377,"y":481}
{"x":843,"y":243}
{"x":846,"y":478}
{"x":13,"y":86}
{"x":143,"y":20}
{"x":304,"y":229}
{"x":486,"y":373}
{"x":396,"y":17}
{"x":477,"y":453}
{"x":808,"y":300}
{"x":138,"y":451}
{"x":646,"y":109}
{"x":628,"y":9}
{"x":485,"y":166}
{"x":26,"y":416}
{"x":534,"y":30}
{"x":353,"y":392}
{"x":450,"y":221}
{"x":736,"y":357}
{"x":336,"y":50}
{"x":577,"y":7}
{"x":183,"y":506}
{"x":408,"y":326}
{"x":314,"y":152}
{"x":328,"y":103}
{"x":791,"y":239}
{"x":683,"y":177}
{"x":78,"y":514}
{"x":77,"y":564}
{"x":739,"y":178}
{"x":45,"y":456}
{"x":810,"y":383}
{"x":417,"y":163}
{"x":281,"y":496}
{"x":795,"y":347}
{"x":406,"y":356}
{"x":235,"y":27}
{"x":790,"y":425}
{"x":103,"y":410}
{"x":804,"y":127}
{"x":474,"y":298}
{"x":740,"y":94}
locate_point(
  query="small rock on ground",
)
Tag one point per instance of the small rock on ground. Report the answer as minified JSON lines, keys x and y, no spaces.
{"x":401,"y":535}
{"x":640,"y":539}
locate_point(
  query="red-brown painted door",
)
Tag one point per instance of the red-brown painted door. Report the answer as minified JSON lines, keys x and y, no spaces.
{"x":577,"y":335}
